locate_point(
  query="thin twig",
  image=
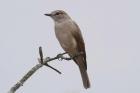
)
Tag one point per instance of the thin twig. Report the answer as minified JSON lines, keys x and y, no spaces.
{"x":41,"y":55}
{"x":52,"y":68}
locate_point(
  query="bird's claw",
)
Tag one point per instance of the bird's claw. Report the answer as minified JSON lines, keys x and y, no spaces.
{"x":60,"y":57}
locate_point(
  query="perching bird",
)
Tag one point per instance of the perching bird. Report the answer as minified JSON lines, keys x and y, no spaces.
{"x":70,"y":38}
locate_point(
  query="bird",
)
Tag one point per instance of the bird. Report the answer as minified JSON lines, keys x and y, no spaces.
{"x":71,"y":40}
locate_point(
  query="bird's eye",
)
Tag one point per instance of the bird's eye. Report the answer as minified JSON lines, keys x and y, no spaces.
{"x":57,"y":13}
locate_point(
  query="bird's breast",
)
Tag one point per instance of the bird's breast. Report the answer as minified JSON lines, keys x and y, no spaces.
{"x":64,"y":35}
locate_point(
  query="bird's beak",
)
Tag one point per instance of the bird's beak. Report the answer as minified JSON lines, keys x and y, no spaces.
{"x":48,"y":14}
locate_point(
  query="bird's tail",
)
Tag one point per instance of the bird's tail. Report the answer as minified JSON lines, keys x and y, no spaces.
{"x":83,"y":71}
{"x":85,"y":78}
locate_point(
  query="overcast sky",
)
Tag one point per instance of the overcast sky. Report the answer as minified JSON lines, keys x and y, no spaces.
{"x":111,"y":30}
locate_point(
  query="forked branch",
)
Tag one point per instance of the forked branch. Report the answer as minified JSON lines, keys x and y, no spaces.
{"x":42,"y":62}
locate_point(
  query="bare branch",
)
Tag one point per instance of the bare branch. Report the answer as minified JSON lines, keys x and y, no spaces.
{"x":24,"y":78}
{"x":42,"y":62}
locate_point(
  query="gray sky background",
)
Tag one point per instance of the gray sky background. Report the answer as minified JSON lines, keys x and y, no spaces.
{"x":111,"y":29}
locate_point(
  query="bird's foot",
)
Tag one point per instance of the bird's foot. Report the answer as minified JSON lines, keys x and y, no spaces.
{"x":60,"y":57}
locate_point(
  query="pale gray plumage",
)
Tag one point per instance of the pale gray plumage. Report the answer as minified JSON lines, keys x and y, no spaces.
{"x":71,"y":40}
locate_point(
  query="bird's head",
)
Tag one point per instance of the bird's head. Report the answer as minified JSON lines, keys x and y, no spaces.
{"x":58,"y":15}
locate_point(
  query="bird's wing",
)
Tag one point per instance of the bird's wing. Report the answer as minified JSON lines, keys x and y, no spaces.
{"x":80,"y":43}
